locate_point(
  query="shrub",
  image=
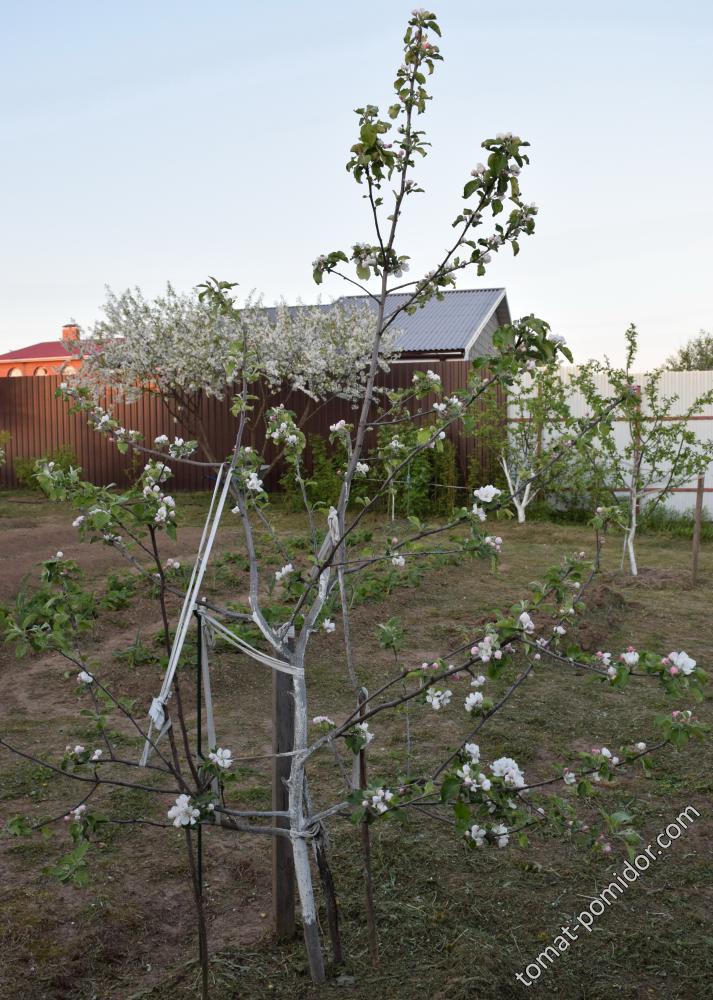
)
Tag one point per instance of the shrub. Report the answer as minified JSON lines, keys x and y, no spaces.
{"x":63,"y":457}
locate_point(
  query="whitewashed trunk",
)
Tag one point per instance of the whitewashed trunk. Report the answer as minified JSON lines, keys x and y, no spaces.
{"x":303,"y":870}
{"x":633,"y":515}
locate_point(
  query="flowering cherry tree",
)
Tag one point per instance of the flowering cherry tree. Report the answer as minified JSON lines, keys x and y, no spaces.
{"x":181,"y":347}
{"x":488,"y":799}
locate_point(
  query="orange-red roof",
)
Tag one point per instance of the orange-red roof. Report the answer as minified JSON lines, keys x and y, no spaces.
{"x":42,"y":351}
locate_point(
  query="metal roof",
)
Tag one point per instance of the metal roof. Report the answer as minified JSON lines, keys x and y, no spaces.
{"x":449,"y":325}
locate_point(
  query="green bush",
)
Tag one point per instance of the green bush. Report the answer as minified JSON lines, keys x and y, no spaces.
{"x":63,"y":457}
{"x":324,"y":481}
{"x":423,"y":487}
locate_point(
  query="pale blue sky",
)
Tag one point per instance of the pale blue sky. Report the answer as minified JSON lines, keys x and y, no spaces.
{"x":171,"y":140}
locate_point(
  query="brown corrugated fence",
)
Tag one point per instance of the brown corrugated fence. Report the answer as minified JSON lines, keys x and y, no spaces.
{"x":39,"y":423}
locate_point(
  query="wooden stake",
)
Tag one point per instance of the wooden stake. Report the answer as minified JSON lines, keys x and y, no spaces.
{"x":697,"y":527}
{"x":283,"y":870}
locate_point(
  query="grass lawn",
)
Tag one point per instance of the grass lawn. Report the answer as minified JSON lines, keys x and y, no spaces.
{"x":453,"y":923}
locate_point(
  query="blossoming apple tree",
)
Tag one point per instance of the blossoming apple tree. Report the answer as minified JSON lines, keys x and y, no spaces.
{"x":660,"y":451}
{"x":487,"y":800}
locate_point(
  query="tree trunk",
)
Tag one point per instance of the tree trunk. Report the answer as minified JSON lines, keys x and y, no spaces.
{"x":303,"y":871}
{"x":631,"y":535}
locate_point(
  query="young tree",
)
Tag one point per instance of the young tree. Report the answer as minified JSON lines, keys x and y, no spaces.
{"x":485,"y":803}
{"x":659,"y":451}
{"x":528,"y":441}
{"x":696,"y":355}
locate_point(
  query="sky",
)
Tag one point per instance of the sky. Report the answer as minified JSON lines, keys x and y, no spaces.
{"x":146,"y":143}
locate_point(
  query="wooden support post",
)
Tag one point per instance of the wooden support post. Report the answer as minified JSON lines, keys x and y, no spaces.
{"x":697,"y":527}
{"x":283,"y":869}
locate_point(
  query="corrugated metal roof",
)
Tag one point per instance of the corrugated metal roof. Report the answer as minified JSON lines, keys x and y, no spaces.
{"x":448,"y":325}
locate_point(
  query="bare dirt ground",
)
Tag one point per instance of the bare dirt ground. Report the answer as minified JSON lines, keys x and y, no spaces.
{"x":453,"y":924}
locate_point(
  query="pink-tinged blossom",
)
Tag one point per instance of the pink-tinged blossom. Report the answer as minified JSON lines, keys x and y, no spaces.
{"x":683,"y":662}
{"x":379,"y":802}
{"x":630,"y":657}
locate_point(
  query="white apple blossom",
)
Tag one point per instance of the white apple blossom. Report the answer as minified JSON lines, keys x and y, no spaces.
{"x":253,"y":483}
{"x":84,"y":677}
{"x":221,"y":757}
{"x":438,"y":699}
{"x":569,"y":777}
{"x":183,"y":813}
{"x":280,"y":574}
{"x":398,"y":561}
{"x":477,"y":834}
{"x":379,"y":802}
{"x":508,"y":769}
{"x":500,"y":832}
{"x":479,"y":512}
{"x":473,"y":700}
{"x":473,"y":751}
{"x":526,"y":623}
{"x":486,"y":493}
{"x":478,"y":681}
{"x":472,"y":778}
{"x":362,"y":468}
{"x":328,"y":625}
